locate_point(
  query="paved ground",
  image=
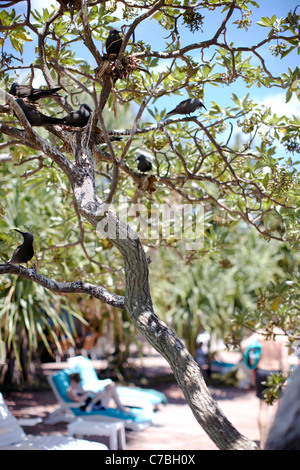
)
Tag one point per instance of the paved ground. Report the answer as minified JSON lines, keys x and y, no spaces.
{"x":174,"y":426}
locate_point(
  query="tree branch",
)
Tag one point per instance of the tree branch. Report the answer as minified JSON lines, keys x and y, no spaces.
{"x":32,"y":139}
{"x":138,"y":20}
{"x":64,"y":287}
{"x":88,"y":40}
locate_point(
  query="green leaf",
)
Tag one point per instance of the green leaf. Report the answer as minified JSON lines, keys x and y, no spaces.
{"x":265,"y":21}
{"x":17,"y":45}
{"x":235,"y":99}
{"x":23,"y":36}
{"x":288,"y":95}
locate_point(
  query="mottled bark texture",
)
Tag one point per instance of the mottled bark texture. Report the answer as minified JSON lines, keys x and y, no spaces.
{"x":186,"y":371}
{"x":137,"y":299}
{"x":285,"y":432}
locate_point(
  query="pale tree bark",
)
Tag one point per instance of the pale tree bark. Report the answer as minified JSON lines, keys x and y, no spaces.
{"x":82,"y":144}
{"x":137,"y":301}
{"x":285,"y":432}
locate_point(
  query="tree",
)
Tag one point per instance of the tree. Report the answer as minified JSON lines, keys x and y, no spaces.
{"x":194,"y":161}
{"x":233,"y":276}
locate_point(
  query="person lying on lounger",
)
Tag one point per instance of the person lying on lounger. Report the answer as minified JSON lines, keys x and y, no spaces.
{"x":93,"y":401}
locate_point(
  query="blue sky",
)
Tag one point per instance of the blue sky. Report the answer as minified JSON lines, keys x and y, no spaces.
{"x":152,"y":33}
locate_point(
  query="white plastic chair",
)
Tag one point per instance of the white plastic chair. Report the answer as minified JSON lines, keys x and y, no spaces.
{"x":12,"y":437}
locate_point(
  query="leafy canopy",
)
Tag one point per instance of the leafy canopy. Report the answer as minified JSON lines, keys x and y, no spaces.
{"x":236,"y":160}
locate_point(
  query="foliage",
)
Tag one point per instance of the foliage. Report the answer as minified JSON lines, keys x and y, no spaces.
{"x":196,"y":159}
{"x":274,"y":384}
{"x":27,"y":310}
{"x":222,"y":290}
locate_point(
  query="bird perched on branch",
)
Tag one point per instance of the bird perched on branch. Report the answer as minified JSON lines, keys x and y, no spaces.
{"x":33,"y":94}
{"x":24,"y":252}
{"x":113,"y":42}
{"x":144,"y":165}
{"x":71,"y":3}
{"x":187,"y":106}
{"x":78,"y":118}
{"x":35,"y":117}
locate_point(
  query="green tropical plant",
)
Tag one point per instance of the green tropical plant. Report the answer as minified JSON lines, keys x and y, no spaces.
{"x":226,"y":284}
{"x":195,"y":158}
{"x":29,"y":314}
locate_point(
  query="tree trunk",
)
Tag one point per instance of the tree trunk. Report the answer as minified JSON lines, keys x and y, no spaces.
{"x":138,"y":301}
{"x":285,"y":432}
{"x":186,"y":371}
{"x":139,"y":306}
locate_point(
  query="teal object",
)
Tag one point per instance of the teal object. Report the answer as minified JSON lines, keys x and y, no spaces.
{"x":90,"y":381}
{"x":61,"y":380}
{"x":252,"y":354}
{"x":154,"y":396}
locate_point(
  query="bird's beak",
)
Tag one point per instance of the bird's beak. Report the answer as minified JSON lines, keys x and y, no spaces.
{"x":16,"y":230}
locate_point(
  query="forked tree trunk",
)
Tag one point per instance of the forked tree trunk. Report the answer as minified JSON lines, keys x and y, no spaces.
{"x":186,"y":371}
{"x":138,"y":301}
{"x":139,"y":306}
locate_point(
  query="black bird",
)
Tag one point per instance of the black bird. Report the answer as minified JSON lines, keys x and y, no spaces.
{"x":35,"y":117}
{"x":78,"y":118}
{"x":187,"y":106}
{"x":33,"y":94}
{"x":144,"y":164}
{"x":113,"y":42}
{"x":24,"y":252}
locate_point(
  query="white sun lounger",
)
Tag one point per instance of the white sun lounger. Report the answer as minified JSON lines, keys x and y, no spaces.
{"x":136,"y":420}
{"x":12,"y":437}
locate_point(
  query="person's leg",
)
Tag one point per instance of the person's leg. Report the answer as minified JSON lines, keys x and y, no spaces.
{"x":262,"y":421}
{"x":96,"y":399}
{"x":110,"y":393}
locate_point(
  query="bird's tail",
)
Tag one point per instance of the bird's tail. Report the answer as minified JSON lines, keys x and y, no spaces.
{"x":54,"y":120}
{"x":171,"y":112}
{"x":53,"y":90}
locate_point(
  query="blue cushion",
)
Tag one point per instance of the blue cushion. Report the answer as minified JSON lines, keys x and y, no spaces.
{"x":154,"y":396}
{"x":89,"y":379}
{"x":61,"y":381}
{"x":85,"y":369}
{"x":136,"y":414}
